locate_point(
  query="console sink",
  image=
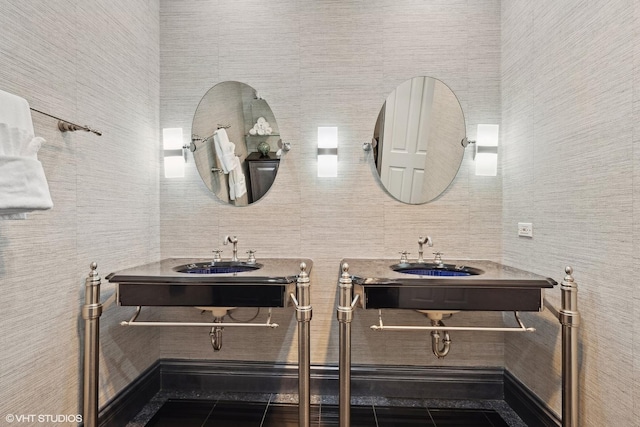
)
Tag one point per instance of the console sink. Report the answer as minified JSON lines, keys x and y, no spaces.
{"x":197,"y":282}
{"x":218,"y":267}
{"x":457,"y":285}
{"x":433,"y":269}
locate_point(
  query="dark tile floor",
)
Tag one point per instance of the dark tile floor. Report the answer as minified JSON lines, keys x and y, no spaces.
{"x":258,"y":410}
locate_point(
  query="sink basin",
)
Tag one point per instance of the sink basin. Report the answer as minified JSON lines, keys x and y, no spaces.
{"x":219,"y":267}
{"x":433,"y":269}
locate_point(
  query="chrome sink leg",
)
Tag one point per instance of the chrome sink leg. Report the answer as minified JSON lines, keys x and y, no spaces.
{"x":570,"y":320}
{"x":91,"y":312}
{"x":303,"y":316}
{"x":345,"y":316}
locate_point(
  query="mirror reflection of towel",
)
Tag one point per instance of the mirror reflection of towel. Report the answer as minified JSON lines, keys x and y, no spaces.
{"x":225,"y":152}
{"x":237,"y":185}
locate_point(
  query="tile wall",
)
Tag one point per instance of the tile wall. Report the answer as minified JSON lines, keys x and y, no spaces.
{"x":331,"y":63}
{"x":570,"y":166}
{"x":94,"y":63}
{"x":568,"y":106}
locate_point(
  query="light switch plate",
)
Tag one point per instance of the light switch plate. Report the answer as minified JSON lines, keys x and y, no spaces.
{"x":525,"y":229}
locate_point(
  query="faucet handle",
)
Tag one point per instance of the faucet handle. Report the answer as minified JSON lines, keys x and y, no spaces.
{"x":216,"y":255}
{"x":251,"y":259}
{"x":438,"y":257}
{"x":403,"y":256}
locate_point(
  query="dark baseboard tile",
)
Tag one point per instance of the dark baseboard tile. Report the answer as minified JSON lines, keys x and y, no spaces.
{"x":129,"y":401}
{"x":533,"y":410}
{"x":389,"y":382}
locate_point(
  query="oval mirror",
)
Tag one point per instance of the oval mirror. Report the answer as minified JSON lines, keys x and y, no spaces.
{"x":417,"y":140}
{"x":235,"y":141}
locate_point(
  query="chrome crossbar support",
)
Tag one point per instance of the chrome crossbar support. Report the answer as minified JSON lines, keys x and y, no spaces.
{"x":91,"y":312}
{"x":569,"y":318}
{"x":135,"y":315}
{"x":346,"y":306}
{"x":521,"y":328}
{"x":134,"y":322}
{"x":551,"y":308}
{"x":303,"y":316}
{"x":109,"y":302}
{"x":205,"y":324}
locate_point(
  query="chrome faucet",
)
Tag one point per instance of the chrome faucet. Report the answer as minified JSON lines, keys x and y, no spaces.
{"x":234,"y":240}
{"x":422,"y":241}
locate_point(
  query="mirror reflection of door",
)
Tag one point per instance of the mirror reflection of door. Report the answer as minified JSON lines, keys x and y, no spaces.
{"x":406,"y":128}
{"x":419,"y":133}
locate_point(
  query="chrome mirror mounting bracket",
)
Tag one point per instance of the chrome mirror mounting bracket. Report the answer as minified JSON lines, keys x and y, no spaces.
{"x":284,"y":146}
{"x":369,"y":146}
{"x":465,"y":142}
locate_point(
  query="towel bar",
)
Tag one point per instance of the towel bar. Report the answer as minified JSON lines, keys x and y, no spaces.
{"x":67,"y":126}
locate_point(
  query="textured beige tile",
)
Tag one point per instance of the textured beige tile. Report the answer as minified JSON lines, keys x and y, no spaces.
{"x":568,"y":96}
{"x":93,"y":63}
{"x":317,"y":63}
{"x":636,"y":211}
{"x":331,"y":63}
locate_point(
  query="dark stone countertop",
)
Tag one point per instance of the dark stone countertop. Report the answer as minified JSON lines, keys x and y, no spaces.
{"x":273,"y":271}
{"x":377,"y":272}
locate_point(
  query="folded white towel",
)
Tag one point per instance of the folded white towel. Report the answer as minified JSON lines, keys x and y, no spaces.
{"x":225,"y":150}
{"x":23,"y":185}
{"x":20,"y":185}
{"x":16,"y":142}
{"x":237,"y":184}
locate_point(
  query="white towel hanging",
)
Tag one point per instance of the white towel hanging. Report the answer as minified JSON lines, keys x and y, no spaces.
{"x":23,"y":185}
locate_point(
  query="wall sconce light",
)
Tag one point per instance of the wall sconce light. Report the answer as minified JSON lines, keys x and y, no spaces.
{"x":327,"y":152}
{"x":174,"y":153}
{"x":486,"y":150}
